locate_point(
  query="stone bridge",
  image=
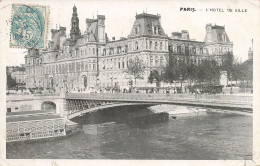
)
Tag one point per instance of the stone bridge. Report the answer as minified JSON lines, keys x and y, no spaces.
{"x":32,"y":102}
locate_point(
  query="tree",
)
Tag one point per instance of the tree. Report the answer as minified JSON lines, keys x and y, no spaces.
{"x":237,"y":71}
{"x":175,"y":71}
{"x":208,"y":71}
{"x":227,"y":64}
{"x":154,"y":75}
{"x":136,"y":68}
{"x":10,"y":82}
{"x":248,"y":72}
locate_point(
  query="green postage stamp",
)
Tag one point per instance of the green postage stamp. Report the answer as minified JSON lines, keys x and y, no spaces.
{"x":29,"y":26}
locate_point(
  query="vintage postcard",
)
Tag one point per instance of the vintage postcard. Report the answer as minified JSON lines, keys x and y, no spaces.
{"x":129,"y":82}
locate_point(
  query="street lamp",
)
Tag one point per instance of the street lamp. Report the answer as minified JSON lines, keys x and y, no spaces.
{"x":231,"y":92}
{"x":98,"y":84}
{"x":181,"y":81}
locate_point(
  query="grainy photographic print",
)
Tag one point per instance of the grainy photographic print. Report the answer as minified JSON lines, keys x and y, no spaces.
{"x":129,"y":80}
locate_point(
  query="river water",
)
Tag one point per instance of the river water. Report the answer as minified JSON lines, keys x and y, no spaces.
{"x":203,"y":137}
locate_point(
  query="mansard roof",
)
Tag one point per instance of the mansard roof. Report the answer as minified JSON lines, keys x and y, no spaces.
{"x":80,"y":41}
{"x":120,"y":42}
{"x":145,"y":22}
{"x":217,"y":32}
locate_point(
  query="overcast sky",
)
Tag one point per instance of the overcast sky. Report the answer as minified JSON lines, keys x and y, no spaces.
{"x":120,"y":15}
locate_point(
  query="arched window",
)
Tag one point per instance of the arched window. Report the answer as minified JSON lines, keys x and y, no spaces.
{"x":136,"y":45}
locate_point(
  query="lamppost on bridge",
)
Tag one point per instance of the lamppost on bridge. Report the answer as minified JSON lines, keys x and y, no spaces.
{"x":181,"y":81}
{"x":98,"y":82}
{"x":231,"y":92}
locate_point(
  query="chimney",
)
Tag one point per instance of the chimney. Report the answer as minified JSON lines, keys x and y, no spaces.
{"x":62,"y":31}
{"x":88,"y":22}
{"x":53,"y":31}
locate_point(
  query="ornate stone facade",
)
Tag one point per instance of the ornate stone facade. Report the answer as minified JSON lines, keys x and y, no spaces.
{"x":83,"y":62}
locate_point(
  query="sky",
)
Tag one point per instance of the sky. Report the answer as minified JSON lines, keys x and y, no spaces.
{"x":241,"y":27}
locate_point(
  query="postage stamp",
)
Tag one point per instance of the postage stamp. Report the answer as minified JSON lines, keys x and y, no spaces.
{"x":29,"y":26}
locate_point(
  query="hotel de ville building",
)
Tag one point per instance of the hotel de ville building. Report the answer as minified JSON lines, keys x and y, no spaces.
{"x":82,"y":62}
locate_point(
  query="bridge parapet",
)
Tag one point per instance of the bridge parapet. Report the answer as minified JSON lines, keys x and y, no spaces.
{"x":33,"y":97}
{"x":165,"y":97}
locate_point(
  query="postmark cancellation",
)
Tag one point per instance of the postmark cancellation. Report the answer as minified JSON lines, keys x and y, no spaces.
{"x":29,"y":26}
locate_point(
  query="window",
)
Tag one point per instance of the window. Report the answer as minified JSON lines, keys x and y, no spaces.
{"x":111,"y":51}
{"x":136,"y":30}
{"x":182,"y":50}
{"x":136,"y":45}
{"x":155,"y":45}
{"x":104,"y":52}
{"x":161,"y":60}
{"x":155,"y":30}
{"x":126,"y":47}
{"x":119,"y":50}
{"x":156,"y":61}
{"x":123,"y":64}
{"x":93,"y":50}
{"x":224,"y":38}
{"x":161,"y":45}
{"x":151,"y":60}
{"x":119,"y":65}
{"x":150,"y":45}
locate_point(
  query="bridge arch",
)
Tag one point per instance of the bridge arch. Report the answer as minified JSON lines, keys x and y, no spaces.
{"x":48,"y":105}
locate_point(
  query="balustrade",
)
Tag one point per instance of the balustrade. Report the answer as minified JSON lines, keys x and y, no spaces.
{"x":165,"y":97}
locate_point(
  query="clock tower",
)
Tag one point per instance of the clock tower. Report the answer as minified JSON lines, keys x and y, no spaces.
{"x":74,"y":31}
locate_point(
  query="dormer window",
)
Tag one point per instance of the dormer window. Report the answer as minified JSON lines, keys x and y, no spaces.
{"x":224,"y":38}
{"x":136,"y":29}
{"x":156,"y":29}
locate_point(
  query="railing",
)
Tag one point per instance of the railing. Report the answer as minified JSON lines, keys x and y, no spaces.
{"x":165,"y":97}
{"x":32,"y":96}
{"x":48,"y":94}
